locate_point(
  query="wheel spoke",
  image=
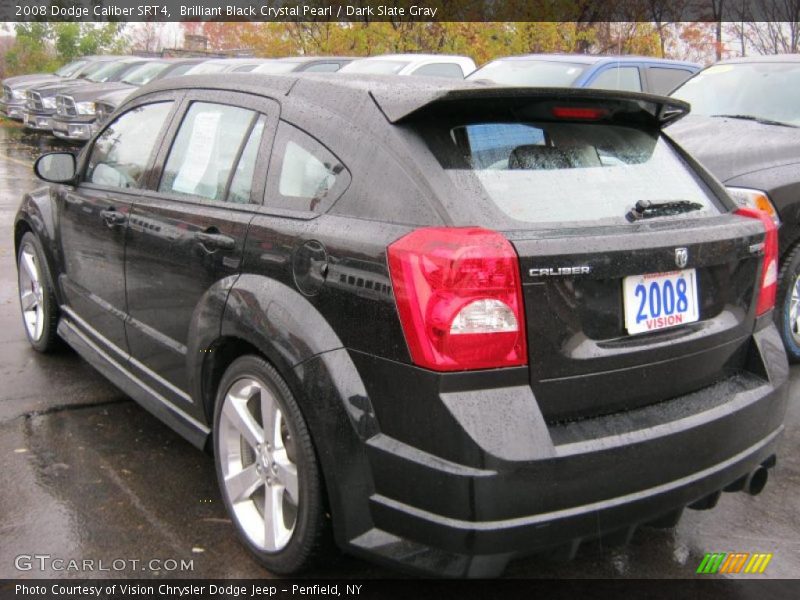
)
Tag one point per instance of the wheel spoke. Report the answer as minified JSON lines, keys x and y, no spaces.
{"x":270,"y":419}
{"x":39,"y":322}
{"x":28,"y":300}
{"x":29,"y":265}
{"x":241,"y":485}
{"x":286,"y":475}
{"x":235,"y":410}
{"x":274,"y":529}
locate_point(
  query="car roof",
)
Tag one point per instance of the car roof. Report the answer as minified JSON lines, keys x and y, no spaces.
{"x":308,"y":59}
{"x":397,"y":97}
{"x":591,"y":59}
{"x":771,"y":58}
{"x":413,"y":56}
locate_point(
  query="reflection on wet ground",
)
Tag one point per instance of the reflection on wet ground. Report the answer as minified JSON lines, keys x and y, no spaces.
{"x":89,"y":474}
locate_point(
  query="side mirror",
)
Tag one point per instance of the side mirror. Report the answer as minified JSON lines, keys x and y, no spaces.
{"x":56,"y":167}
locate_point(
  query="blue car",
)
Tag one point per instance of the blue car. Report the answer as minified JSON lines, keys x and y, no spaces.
{"x":631,"y":73}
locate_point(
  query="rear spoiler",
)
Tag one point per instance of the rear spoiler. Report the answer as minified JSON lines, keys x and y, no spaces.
{"x":529,"y":103}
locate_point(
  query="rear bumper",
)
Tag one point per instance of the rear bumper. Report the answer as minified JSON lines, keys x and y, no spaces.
{"x":77,"y":129}
{"x":525,"y":486}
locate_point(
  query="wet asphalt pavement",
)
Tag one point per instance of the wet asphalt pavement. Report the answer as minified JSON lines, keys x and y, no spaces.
{"x":88,"y":474}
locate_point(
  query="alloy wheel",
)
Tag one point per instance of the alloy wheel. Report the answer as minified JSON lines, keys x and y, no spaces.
{"x":31,"y":295}
{"x":257,"y":459}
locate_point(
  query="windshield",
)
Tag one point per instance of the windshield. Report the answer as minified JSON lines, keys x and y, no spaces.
{"x":111,"y":72}
{"x":70,"y":69}
{"x":208,"y":67}
{"x":562,"y":174}
{"x":530,"y":73}
{"x":275,"y":67}
{"x":769,"y":91}
{"x":145,"y":73}
{"x":378,"y":67}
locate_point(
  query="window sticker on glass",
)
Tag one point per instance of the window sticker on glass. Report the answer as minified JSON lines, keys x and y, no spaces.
{"x":198,"y":157}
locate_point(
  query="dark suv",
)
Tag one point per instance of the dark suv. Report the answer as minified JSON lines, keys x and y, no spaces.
{"x":452,"y":323}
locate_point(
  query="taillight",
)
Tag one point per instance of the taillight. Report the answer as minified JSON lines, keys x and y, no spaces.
{"x":769,"y":267}
{"x":459,"y":296}
{"x":579,"y":112}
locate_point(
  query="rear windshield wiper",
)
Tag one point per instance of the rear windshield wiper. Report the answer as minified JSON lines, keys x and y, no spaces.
{"x":757,"y":120}
{"x":645,"y":209}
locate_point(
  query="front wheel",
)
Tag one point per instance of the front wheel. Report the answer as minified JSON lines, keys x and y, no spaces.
{"x":787,"y":307}
{"x":266,"y":466}
{"x":37,"y":298}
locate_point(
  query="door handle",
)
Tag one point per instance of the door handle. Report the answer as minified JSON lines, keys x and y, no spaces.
{"x":113,"y":217}
{"x":217,"y":241}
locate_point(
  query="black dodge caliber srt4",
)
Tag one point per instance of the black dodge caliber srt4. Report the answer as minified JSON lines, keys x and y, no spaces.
{"x":450,"y":324}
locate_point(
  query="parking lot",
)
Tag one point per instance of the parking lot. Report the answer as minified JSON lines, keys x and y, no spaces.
{"x":88,"y":474}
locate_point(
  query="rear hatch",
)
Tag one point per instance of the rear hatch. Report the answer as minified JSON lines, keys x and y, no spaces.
{"x":639,"y":283}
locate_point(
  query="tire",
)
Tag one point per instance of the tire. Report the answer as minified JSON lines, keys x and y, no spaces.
{"x":37,"y":299}
{"x":787,"y":305}
{"x":254,"y":469}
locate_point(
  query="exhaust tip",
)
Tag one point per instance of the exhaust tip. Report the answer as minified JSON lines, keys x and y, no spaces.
{"x":756,"y":481}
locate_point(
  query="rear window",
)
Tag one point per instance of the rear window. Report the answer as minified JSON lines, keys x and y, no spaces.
{"x":566,"y":174}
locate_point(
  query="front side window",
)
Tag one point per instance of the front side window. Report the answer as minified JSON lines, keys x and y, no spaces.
{"x":305,"y":176}
{"x":451,"y":70}
{"x":122,"y":152}
{"x":663,"y":80}
{"x":205,"y":148}
{"x":618,"y":78}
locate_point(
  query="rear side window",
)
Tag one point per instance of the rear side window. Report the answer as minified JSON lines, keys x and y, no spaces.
{"x":618,"y":78}
{"x":324,"y":68}
{"x":450,"y":70}
{"x":122,"y":152}
{"x":205,"y":150}
{"x":565,"y":173}
{"x":304,"y":175}
{"x":663,"y":81}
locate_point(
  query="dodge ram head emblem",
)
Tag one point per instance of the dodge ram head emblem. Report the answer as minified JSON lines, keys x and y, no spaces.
{"x":681,"y":257}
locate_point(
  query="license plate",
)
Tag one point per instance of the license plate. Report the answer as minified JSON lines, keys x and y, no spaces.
{"x":660,"y":300}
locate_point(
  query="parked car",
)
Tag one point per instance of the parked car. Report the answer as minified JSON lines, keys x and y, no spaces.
{"x":106,"y":101}
{"x":226,"y":65}
{"x":41,"y":101}
{"x":304,"y":64}
{"x":631,"y":73}
{"x":745,"y":128}
{"x":15,"y":89}
{"x":431,"y":65}
{"x":453,"y":323}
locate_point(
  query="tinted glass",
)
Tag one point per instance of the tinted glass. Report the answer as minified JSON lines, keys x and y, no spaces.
{"x":113,"y":71}
{"x":242,"y":182}
{"x":530,"y":73}
{"x":70,"y":69}
{"x":618,"y":78}
{"x":379,"y":67}
{"x":763,"y":90}
{"x":274,"y":67}
{"x":440,"y":70}
{"x":568,"y":173}
{"x":202,"y":156}
{"x":145,"y":73}
{"x":121,"y":153}
{"x":324,"y":68}
{"x":209,"y":67}
{"x":663,"y":81}
{"x":304,"y":176}
{"x":179,"y":70}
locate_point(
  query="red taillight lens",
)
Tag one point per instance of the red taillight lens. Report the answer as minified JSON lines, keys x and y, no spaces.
{"x":769,"y":268}
{"x":459,"y":296}
{"x":579,"y":112}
